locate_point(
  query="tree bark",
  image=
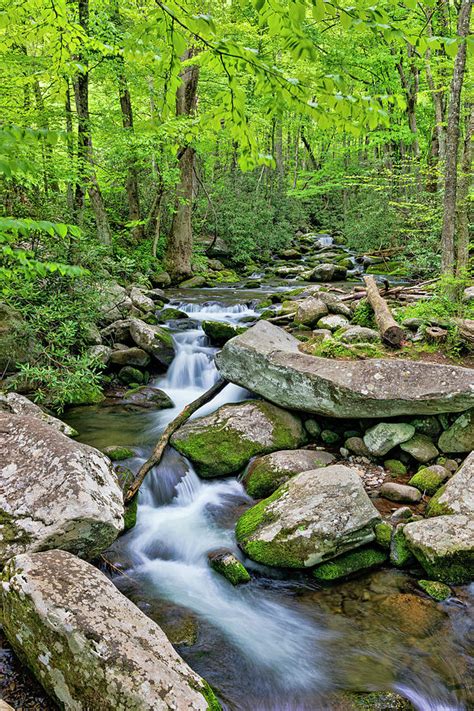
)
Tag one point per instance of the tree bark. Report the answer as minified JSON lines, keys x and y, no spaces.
{"x":410,"y":87}
{"x":452,"y":141}
{"x":463,"y":202}
{"x":389,"y":329}
{"x":131,"y":184}
{"x":87,"y":178}
{"x":174,"y":425}
{"x":179,"y":245}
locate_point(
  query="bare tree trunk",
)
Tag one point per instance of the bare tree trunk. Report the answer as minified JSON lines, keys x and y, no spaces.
{"x":410,"y":87}
{"x":70,"y":150}
{"x":86,"y":171}
{"x":389,"y":329}
{"x":463,"y":201}
{"x":179,"y":245}
{"x":131,"y":184}
{"x":278,"y":150}
{"x":307,"y":145}
{"x":452,"y":141}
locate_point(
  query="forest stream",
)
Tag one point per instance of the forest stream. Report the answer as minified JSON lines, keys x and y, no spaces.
{"x":280,"y":642}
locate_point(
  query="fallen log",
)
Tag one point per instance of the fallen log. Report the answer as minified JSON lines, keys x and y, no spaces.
{"x":157,"y":454}
{"x":391,"y":332}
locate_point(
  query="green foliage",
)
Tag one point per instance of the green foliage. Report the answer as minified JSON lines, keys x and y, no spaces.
{"x":364,"y":314}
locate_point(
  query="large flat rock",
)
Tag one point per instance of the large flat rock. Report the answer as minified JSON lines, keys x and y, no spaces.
{"x":89,"y":646}
{"x":54,"y":492}
{"x":266,"y":360}
{"x":457,"y":495}
{"x":313,"y":517}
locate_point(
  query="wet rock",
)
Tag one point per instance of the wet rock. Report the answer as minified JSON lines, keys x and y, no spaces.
{"x":141,"y":301}
{"x":444,"y":546}
{"x":310,"y":311}
{"x":89,"y":655}
{"x":429,"y":479}
{"x":357,"y":446}
{"x":383,"y":437}
{"x":117,"y":454}
{"x":267,"y":360}
{"x":226,"y":564}
{"x":333,"y":322}
{"x":56,"y":493}
{"x":358,"y":561}
{"x":315,"y":516}
{"x":115,"y":303}
{"x":328,"y":272}
{"x":101,"y":353}
{"x":395,"y":467}
{"x":438,"y":591}
{"x":141,"y":397}
{"x":20,"y":405}
{"x":400,"y":554}
{"x":171,"y":314}
{"x":219,"y":332}
{"x":360,"y":334}
{"x":457,"y":495}
{"x":412,"y":614}
{"x":153,"y":340}
{"x":401,"y":493}
{"x":460,"y":436}
{"x":193,"y":283}
{"x":265,"y":474}
{"x":160,"y":279}
{"x":420,"y":447}
{"x":130,"y":376}
{"x":130,"y":356}
{"x":222,"y":443}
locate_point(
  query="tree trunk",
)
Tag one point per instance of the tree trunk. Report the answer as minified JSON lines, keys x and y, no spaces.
{"x":131,"y":184}
{"x":410,"y":87}
{"x":86,"y":172}
{"x":463,"y":201}
{"x":389,"y":329}
{"x":70,"y":151}
{"x":452,"y":141}
{"x":179,"y":247}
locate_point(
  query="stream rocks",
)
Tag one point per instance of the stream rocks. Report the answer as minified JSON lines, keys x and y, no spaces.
{"x":56,"y":493}
{"x":384,"y":436}
{"x":222,"y":443}
{"x":153,"y":340}
{"x":313,"y":517}
{"x":266,"y":360}
{"x":90,"y":647}
{"x":265,"y":474}
{"x":460,"y":436}
{"x":457,"y":495}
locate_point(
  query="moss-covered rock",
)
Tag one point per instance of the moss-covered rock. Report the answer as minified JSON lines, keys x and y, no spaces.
{"x":224,"y":442}
{"x":460,"y":436}
{"x":429,"y":479}
{"x":130,"y":375}
{"x":457,"y":495}
{"x":395,"y":467}
{"x":170,"y":313}
{"x":219,"y":332}
{"x":358,"y":561}
{"x":400,"y":554}
{"x":265,"y":474}
{"x":375,"y":701}
{"x":381,"y":438}
{"x":116,"y":454}
{"x":226,"y":564}
{"x":438,"y":591}
{"x":383,"y":534}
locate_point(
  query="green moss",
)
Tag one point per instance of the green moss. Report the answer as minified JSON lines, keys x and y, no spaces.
{"x":116,"y":454}
{"x":455,"y":567}
{"x":400,"y":555}
{"x":232,"y":570}
{"x":212,"y":702}
{"x":383,"y":534}
{"x":256,"y":516}
{"x":220,"y":332}
{"x":350,"y":563}
{"x":10,"y":530}
{"x":261,"y":483}
{"x":434,"y":507}
{"x":426,"y":480}
{"x":130,"y":516}
{"x":438,"y":591}
{"x":329,"y":437}
{"x":395,"y":467}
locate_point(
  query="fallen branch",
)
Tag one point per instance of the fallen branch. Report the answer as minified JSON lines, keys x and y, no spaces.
{"x":391,"y":332}
{"x":157,"y":454}
{"x":282,"y":317}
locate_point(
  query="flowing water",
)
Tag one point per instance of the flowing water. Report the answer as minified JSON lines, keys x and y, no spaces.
{"x":278,"y":642}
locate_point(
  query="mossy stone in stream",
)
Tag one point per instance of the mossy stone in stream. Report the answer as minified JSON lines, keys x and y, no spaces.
{"x":438,"y":591}
{"x":400,"y":555}
{"x":226,"y":564}
{"x":265,"y":474}
{"x":375,"y":701}
{"x":117,"y":454}
{"x":383,"y":534}
{"x":219,"y":332}
{"x":222,"y":443}
{"x":395,"y":467}
{"x":429,"y":479}
{"x":129,"y":375}
{"x":435,"y":508}
{"x":357,"y":561}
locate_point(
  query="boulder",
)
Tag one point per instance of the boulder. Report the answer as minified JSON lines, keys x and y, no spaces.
{"x":265,"y":474}
{"x":328,"y":272}
{"x":226,"y":564}
{"x":141,"y":301}
{"x":56,"y":493}
{"x":222,"y":443}
{"x":429,"y":479}
{"x":313,"y":517}
{"x":88,"y":645}
{"x":384,"y":436}
{"x":401,"y":493}
{"x":195,"y":282}
{"x":90,"y":334}
{"x":117,"y":332}
{"x":20,"y":405}
{"x":457,"y":496}
{"x":460,"y":436}
{"x":153,"y":340}
{"x":356,"y":446}
{"x":115,"y":303}
{"x":360,"y":334}
{"x":420,"y":447}
{"x":101,"y":353}
{"x":160,"y":279}
{"x":142,"y":397}
{"x":266,"y":360}
{"x":130,"y":356}
{"x":130,"y":375}
{"x":219,"y":332}
{"x":15,"y":346}
{"x":444,"y":546}
{"x":468,"y":294}
{"x":333,"y":322}
{"x":334,"y":304}
{"x":309,"y":311}
{"x":354,"y":562}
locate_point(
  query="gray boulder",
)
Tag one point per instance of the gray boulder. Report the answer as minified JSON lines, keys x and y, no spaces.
{"x":401,"y":493}
{"x":309,"y":311}
{"x":55,"y":492}
{"x":333,"y":322}
{"x":383,"y":437}
{"x":444,"y":546}
{"x":360,"y":334}
{"x":420,"y":447}
{"x":20,"y":405}
{"x":266,"y":360}
{"x":130,"y":356}
{"x":141,"y":301}
{"x":460,"y":436}
{"x":222,"y":443}
{"x":457,"y":495}
{"x":153,"y":340}
{"x":115,"y":303}
{"x":314,"y":516}
{"x":328,"y":272}
{"x":101,"y":353}
{"x":117,"y":332}
{"x":88,"y":645}
{"x":265,"y":474}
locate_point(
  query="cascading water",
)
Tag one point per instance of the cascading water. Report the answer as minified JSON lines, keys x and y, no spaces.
{"x":264,"y":645}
